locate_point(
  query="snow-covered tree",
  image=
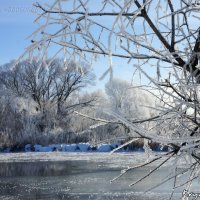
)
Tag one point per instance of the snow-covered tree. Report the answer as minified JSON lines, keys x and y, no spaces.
{"x":128,"y":100}
{"x":52,"y":86}
{"x":159,"y":38}
{"x":37,"y":103}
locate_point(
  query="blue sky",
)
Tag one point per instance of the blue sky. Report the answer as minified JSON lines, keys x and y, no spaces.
{"x":16,"y":24}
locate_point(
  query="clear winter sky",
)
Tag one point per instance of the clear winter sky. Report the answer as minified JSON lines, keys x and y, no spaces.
{"x":16,"y":24}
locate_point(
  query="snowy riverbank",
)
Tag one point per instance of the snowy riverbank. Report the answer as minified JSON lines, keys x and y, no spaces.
{"x":79,"y":147}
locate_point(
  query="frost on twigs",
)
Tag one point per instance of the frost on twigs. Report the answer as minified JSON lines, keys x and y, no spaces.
{"x":160,"y":39}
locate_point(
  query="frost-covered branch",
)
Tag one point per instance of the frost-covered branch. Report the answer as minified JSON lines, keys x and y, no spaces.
{"x":160,"y":39}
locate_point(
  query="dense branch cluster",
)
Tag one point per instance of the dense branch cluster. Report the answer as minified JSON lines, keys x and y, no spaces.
{"x":159,"y":37}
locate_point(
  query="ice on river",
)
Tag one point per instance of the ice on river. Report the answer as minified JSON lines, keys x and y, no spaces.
{"x":78,"y":175}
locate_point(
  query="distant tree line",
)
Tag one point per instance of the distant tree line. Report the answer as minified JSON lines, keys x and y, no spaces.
{"x":40,"y":103}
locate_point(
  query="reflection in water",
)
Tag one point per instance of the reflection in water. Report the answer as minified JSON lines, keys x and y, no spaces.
{"x":77,"y":180}
{"x":47,"y":168}
{"x":35,"y":169}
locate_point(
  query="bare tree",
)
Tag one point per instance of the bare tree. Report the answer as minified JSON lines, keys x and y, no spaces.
{"x":48,"y":86}
{"x":38,"y":103}
{"x":160,"y":37}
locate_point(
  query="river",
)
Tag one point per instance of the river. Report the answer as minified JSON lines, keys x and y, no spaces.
{"x":79,"y":178}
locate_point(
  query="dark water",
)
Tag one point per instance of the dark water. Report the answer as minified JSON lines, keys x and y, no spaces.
{"x":77,"y":180}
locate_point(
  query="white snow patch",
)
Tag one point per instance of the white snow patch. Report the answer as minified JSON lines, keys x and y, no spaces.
{"x":83,"y":146}
{"x":104,"y":148}
{"x":69,"y":147}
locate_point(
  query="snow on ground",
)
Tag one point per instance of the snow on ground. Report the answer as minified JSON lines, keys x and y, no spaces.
{"x":80,"y":147}
{"x":104,"y":148}
{"x":84,"y":147}
{"x":39,"y":148}
{"x":67,"y":147}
